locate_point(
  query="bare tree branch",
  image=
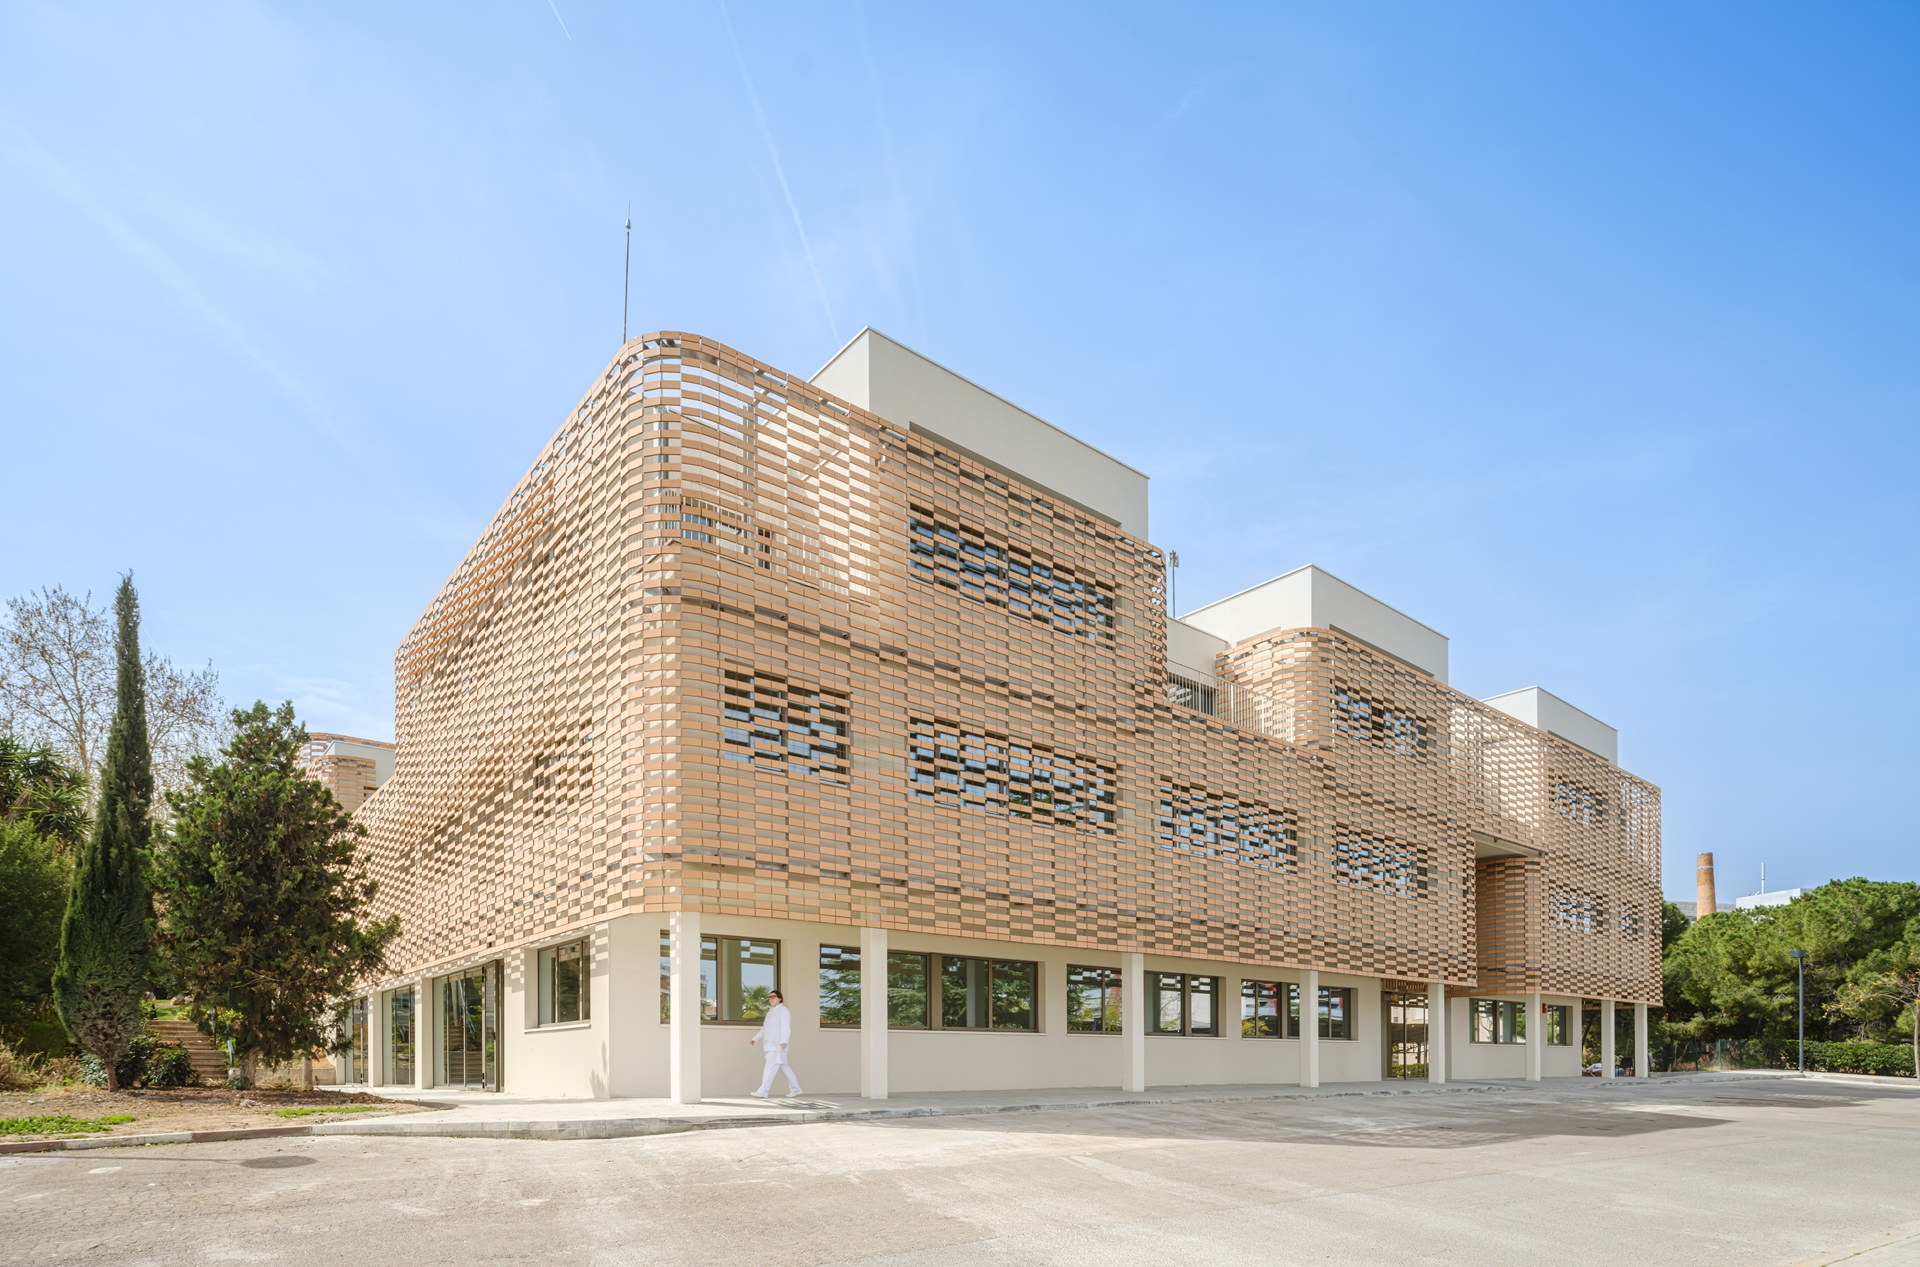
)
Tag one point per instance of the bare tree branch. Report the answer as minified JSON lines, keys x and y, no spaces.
{"x":57,"y":683}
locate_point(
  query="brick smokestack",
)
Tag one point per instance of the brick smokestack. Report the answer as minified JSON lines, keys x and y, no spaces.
{"x":1703,"y":885}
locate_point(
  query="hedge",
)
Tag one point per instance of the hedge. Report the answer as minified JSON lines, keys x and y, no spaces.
{"x":1881,"y":1058}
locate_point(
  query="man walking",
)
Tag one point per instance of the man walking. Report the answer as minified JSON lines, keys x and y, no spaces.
{"x":775,"y":1033}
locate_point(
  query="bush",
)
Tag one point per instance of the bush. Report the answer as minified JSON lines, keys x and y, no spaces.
{"x":1879,"y":1058}
{"x":17,"y":1072}
{"x":148,"y":1062}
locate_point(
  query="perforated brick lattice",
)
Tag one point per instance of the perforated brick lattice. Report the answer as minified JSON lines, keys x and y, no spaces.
{"x":736,"y":646}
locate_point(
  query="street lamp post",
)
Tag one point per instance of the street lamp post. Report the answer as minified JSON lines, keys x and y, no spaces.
{"x":1800,"y":1011}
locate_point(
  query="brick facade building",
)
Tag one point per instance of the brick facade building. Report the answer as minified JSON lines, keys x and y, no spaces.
{"x":757,"y":680}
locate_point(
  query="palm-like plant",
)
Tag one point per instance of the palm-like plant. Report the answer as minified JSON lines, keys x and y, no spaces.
{"x":39,"y":789}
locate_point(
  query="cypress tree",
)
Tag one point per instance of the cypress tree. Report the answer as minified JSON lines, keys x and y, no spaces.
{"x":105,"y":937}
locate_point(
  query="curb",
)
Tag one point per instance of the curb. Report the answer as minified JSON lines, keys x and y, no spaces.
{"x":635,"y":1127}
{"x":168,"y":1137}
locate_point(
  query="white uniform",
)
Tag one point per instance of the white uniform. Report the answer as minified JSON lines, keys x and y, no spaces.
{"x":775,"y":1034}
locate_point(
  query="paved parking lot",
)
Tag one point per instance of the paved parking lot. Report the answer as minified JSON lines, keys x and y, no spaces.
{"x":1671,"y":1172}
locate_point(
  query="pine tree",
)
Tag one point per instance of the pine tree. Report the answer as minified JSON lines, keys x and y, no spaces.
{"x":261,"y":894}
{"x":106,"y":935}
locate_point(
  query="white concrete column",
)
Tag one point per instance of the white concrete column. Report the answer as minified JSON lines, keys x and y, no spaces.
{"x":1536,"y":1037}
{"x":1642,"y":1062}
{"x":1133,"y":1021}
{"x":873,"y":1013}
{"x":1437,"y":1032}
{"x":1606,"y":1038}
{"x":1310,"y":1028}
{"x":683,"y":1018}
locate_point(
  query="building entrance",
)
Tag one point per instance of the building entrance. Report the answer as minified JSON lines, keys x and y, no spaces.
{"x":1406,"y":1032}
{"x":467,"y":1029}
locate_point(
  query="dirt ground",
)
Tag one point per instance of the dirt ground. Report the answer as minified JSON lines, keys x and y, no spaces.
{"x":191,"y":1108}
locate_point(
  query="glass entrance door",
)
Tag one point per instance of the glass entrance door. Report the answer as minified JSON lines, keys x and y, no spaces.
{"x":467,"y":1029}
{"x":1406,"y":1033}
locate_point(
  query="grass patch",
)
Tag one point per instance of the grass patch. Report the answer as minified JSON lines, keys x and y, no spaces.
{"x":61,"y":1124}
{"x":308,"y":1110}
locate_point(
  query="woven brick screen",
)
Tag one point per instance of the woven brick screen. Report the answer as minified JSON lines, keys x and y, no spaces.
{"x":735,"y":646}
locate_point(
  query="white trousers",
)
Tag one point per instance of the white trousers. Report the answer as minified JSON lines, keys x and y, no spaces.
{"x":777,"y":1063}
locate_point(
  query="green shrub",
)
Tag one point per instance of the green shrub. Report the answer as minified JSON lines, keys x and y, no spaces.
{"x":1877,"y":1058}
{"x":147,"y":1062}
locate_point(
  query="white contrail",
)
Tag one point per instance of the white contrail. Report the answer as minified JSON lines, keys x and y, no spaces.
{"x":562,"y":21}
{"x":773,"y":152}
{"x":893,"y":170}
{"x":174,"y":278}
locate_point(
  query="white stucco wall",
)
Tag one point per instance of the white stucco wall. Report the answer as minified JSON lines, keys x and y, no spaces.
{"x":1546,"y":711}
{"x":622,"y":1049}
{"x":889,"y":379}
{"x":1309,"y":597}
{"x":1191,"y":650}
{"x":1471,"y":1061}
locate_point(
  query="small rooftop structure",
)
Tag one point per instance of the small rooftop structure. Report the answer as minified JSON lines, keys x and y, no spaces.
{"x":1309,"y":597}
{"x":885,"y":377}
{"x":1546,"y":711}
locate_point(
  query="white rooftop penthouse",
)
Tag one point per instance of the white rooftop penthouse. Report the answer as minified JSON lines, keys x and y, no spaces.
{"x":1543,"y":710}
{"x":884,"y":377}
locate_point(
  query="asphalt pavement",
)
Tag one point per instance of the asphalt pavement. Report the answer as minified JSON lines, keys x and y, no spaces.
{"x":1673,"y":1171}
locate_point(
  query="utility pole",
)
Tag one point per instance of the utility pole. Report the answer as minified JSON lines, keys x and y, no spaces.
{"x":626,"y":278}
{"x":1173,"y":581}
{"x":1800,"y":962}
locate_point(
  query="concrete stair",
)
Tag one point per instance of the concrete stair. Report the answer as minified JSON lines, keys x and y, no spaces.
{"x":209,"y":1061}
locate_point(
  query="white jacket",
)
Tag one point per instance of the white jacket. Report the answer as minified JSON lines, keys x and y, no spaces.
{"x":777,"y":1030}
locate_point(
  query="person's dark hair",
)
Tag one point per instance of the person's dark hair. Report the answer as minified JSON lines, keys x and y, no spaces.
{"x":775,"y":994}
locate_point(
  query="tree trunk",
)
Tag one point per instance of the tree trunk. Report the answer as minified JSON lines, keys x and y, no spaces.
{"x":306,"y":1073}
{"x":113,"y":1075}
{"x":250,"y":1067}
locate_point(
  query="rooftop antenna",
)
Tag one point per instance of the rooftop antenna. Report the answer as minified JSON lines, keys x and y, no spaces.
{"x":626,"y":278}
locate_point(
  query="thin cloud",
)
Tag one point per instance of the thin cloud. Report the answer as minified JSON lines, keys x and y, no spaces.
{"x":57,"y":177}
{"x":893,"y":170}
{"x":562,"y":21}
{"x":773,"y":152}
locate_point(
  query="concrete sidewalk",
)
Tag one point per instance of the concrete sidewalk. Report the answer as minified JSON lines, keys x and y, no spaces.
{"x":484,"y":1115}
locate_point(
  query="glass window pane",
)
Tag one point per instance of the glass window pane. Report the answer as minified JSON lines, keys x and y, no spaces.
{"x":1169,"y":1002}
{"x":1203,"y":1017}
{"x":737,"y":976}
{"x":400,"y":1036}
{"x":1014,"y":987}
{"x":1293,"y":1009}
{"x":965,"y":993}
{"x":1484,"y":1014}
{"x":839,"y":985}
{"x":666,"y":974}
{"x":563,"y":984}
{"x":1260,"y":1009}
{"x":1336,"y":1012}
{"x":907,"y":990}
{"x":1093,"y":1000}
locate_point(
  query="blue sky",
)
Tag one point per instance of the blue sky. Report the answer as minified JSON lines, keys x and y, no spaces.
{"x":1587,"y":336}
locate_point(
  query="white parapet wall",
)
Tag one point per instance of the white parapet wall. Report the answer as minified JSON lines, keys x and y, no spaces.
{"x":1546,"y":711}
{"x":1311,"y":598}
{"x":887,"y":378}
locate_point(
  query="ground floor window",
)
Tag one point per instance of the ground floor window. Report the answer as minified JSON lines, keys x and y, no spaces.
{"x":466,"y":1025}
{"x":1183,"y":1003}
{"x":1336,"y":1011}
{"x":359,"y":1070}
{"x":563,"y":972}
{"x":1497,"y":1021}
{"x":738,"y":975}
{"x":839,"y":985}
{"x":1093,"y":1000}
{"x":400,"y":1036}
{"x":1555,"y":1021}
{"x":1260,"y":1008}
{"x":960,"y":992}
